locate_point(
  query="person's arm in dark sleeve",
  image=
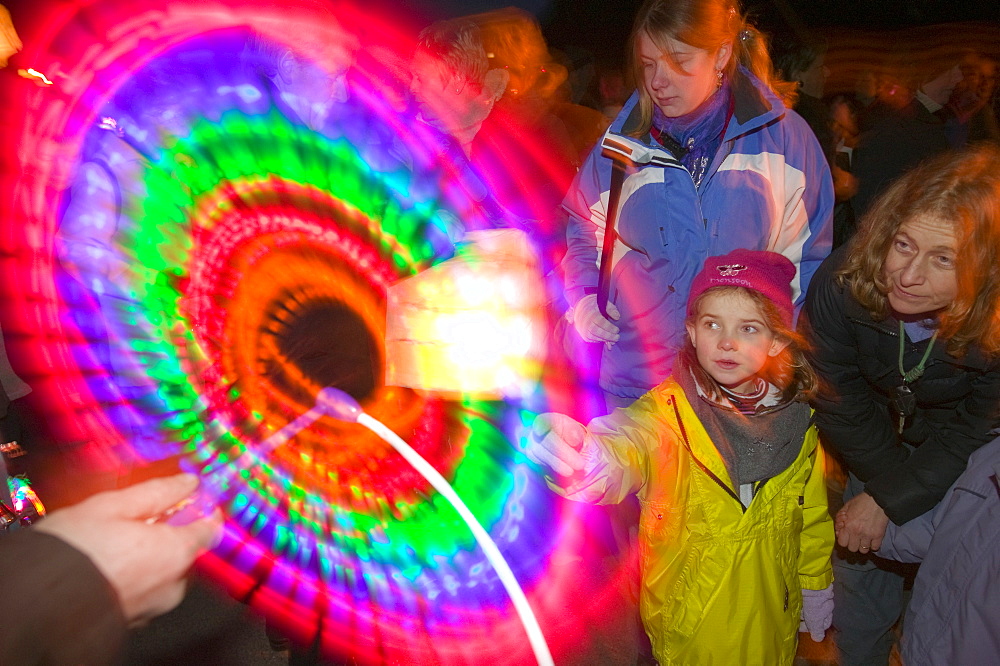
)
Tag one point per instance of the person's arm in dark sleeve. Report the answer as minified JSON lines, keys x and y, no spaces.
{"x":56,"y":606}
{"x":75,"y":580}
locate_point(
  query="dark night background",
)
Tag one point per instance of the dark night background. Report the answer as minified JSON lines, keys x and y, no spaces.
{"x":601,"y":26}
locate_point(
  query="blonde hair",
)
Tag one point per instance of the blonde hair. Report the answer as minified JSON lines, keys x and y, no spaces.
{"x":961,"y":188}
{"x":514,"y":42}
{"x":788,"y":370}
{"x":706,"y":25}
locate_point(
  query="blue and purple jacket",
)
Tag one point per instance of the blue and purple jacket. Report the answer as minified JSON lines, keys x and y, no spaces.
{"x":768,"y":187}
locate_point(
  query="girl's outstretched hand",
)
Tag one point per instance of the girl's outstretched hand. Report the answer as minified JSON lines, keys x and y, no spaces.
{"x":555,"y":441}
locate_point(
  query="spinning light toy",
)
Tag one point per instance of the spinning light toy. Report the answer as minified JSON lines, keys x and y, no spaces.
{"x":176,"y":224}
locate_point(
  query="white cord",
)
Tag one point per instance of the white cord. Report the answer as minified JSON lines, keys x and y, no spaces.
{"x":535,"y":637}
{"x":338,"y":404}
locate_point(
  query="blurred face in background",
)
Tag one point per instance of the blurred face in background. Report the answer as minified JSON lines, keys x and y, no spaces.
{"x":987,"y":82}
{"x":813,"y":79}
{"x":430,"y":84}
{"x":943,"y":85}
{"x":844,"y":122}
{"x":317,"y":71}
{"x":444,"y":98}
{"x":980,"y":78}
{"x":683,"y":77}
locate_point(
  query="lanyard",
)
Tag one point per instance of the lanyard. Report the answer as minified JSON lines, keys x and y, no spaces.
{"x":914,"y":373}
{"x":904,"y":401}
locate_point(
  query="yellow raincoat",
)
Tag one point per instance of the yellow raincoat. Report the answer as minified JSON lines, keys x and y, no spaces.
{"x":720,"y":585}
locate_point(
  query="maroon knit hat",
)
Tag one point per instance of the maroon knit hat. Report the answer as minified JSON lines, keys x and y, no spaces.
{"x":767,"y":272}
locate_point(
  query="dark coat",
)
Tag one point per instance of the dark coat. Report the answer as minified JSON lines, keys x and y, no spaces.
{"x":856,"y":358}
{"x":56,"y":606}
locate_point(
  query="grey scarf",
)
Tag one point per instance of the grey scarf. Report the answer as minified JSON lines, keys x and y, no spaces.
{"x":754,"y":448}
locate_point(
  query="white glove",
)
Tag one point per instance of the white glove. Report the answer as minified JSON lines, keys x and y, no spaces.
{"x":817,"y":612}
{"x":555,"y":442}
{"x":591,"y":324}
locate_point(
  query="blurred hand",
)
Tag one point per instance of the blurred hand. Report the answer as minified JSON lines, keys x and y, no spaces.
{"x":861,"y":524}
{"x":145,"y":562}
{"x":555,"y":442}
{"x":591,"y":324}
{"x":845,"y":184}
{"x":10,"y":43}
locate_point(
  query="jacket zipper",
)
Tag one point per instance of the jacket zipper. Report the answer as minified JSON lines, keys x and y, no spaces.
{"x":701,"y":465}
{"x":874,"y":326}
{"x":885,"y":331}
{"x":687,"y":445}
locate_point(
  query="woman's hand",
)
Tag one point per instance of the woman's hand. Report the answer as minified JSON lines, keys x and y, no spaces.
{"x":591,"y":324}
{"x":861,"y":524}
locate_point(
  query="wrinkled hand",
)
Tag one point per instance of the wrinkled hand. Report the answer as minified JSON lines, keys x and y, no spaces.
{"x":817,"y":612}
{"x":145,"y":562}
{"x":861,"y":524}
{"x":555,"y":442}
{"x":591,"y":324}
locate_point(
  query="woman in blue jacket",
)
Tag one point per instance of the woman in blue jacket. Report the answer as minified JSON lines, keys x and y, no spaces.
{"x":714,"y":161}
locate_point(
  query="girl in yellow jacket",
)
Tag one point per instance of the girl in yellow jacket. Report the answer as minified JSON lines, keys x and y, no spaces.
{"x":735,"y":537}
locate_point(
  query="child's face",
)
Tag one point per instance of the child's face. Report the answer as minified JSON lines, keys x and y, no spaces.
{"x":731,"y":340}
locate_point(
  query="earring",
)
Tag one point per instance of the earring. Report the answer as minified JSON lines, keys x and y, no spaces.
{"x":718,"y":78}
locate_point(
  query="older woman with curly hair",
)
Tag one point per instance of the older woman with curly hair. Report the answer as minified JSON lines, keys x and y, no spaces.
{"x":905,"y":324}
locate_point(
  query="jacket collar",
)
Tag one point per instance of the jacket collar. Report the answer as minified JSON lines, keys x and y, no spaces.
{"x":755,"y":105}
{"x":974,"y":357}
{"x":700,"y":446}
